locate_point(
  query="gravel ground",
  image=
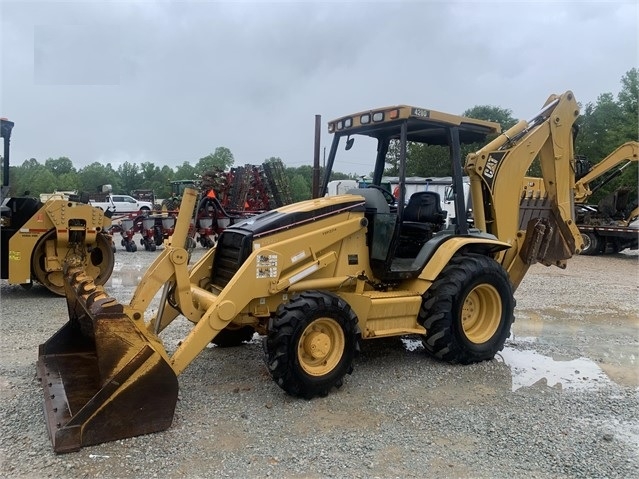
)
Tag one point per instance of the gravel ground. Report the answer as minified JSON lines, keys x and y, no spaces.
{"x":560,"y":402}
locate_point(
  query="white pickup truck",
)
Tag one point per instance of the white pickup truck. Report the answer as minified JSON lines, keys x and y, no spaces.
{"x":121,"y":204}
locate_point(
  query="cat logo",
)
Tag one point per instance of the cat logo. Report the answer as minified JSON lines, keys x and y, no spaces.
{"x":491,"y":166}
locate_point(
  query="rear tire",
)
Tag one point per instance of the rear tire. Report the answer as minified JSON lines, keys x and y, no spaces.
{"x":468,"y":311}
{"x":170,"y":204}
{"x":311,"y":344}
{"x":592,"y":244}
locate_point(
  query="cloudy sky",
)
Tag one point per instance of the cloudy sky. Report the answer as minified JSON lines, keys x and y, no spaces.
{"x":169,"y":81}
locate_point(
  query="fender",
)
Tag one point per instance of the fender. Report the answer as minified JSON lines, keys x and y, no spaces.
{"x":450,"y":246}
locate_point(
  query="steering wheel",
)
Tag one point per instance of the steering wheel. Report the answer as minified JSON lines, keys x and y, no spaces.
{"x":390,"y":199}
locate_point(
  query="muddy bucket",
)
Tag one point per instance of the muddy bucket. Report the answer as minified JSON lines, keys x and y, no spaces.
{"x":103,"y":377}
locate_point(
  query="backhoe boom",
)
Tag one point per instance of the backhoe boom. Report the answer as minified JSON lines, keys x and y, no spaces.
{"x":499,"y":207}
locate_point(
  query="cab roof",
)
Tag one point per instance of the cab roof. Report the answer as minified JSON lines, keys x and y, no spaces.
{"x":424,"y":125}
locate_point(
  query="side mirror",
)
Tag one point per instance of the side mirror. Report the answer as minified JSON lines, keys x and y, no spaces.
{"x":349,"y":143}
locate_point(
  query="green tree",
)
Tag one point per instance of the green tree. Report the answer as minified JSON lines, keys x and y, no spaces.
{"x":608,"y":123}
{"x":186,"y":171}
{"x":601,"y":127}
{"x":503,"y":116}
{"x":300,"y":180}
{"x":41,"y":181}
{"x":129,"y":176}
{"x":220,"y":159}
{"x":156,"y":178}
{"x":93,"y":176}
{"x":68,"y":182}
{"x":629,"y":95}
{"x":60,"y":166}
{"x":22,"y":178}
{"x":392,"y":158}
{"x":427,"y":160}
{"x":300,"y":188}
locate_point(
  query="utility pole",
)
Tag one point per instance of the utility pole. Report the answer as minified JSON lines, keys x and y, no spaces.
{"x":316,"y":157}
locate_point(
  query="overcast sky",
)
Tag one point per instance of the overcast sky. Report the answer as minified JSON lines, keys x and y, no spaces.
{"x":168,"y":82}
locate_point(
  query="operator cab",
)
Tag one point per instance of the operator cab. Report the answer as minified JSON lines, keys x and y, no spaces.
{"x":403,"y":232}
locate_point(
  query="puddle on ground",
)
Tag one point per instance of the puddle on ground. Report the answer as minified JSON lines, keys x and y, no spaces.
{"x":607,"y":341}
{"x":528,"y":367}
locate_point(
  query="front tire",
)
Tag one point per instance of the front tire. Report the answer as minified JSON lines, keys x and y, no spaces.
{"x":468,"y":311}
{"x":311,"y":344}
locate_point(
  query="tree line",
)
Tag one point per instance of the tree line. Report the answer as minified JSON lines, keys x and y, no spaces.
{"x":603,"y":126}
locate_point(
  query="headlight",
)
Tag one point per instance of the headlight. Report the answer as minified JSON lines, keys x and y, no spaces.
{"x":378,"y":116}
{"x":365,"y":119}
{"x":348,"y":122}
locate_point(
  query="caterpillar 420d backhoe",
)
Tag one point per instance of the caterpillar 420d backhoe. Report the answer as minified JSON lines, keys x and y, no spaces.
{"x":317,"y":277}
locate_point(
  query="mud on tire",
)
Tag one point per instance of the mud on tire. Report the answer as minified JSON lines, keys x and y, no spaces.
{"x":311,"y":344}
{"x":468,"y":311}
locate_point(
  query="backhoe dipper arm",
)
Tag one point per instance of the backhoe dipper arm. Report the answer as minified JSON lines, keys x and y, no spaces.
{"x":539,"y":228}
{"x":624,"y":155}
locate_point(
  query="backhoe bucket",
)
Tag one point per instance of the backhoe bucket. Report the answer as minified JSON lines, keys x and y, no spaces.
{"x":104,"y":378}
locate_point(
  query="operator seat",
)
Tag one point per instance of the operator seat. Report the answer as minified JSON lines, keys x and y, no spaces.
{"x":423,"y":216}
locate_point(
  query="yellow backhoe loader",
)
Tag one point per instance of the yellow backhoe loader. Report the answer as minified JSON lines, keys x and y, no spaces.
{"x":36,"y":238}
{"x":317,"y":277}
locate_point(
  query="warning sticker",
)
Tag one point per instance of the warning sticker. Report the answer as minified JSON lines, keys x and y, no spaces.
{"x":266,"y":266}
{"x":14,"y":255}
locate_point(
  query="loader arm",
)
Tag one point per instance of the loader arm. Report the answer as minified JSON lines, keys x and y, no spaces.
{"x":217,"y":308}
{"x":540,"y":227}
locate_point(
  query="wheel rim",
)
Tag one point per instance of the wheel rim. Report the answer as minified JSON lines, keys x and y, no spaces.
{"x":481,"y":313}
{"x":587,"y":243}
{"x":321,"y":347}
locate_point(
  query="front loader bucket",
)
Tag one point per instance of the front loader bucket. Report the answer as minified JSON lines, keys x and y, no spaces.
{"x":104,"y":378}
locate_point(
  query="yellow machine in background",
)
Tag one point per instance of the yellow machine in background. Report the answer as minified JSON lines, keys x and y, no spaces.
{"x":317,"y":277}
{"x":607,"y":225}
{"x":38,"y":238}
